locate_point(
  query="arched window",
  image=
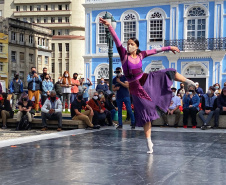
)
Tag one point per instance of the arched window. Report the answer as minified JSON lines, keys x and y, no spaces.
{"x":196,"y":23}
{"x":156,"y":26}
{"x":154,"y":66}
{"x":129,"y":21}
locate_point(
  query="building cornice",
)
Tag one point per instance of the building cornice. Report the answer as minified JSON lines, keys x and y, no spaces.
{"x":68,"y":37}
{"x":136,"y":3}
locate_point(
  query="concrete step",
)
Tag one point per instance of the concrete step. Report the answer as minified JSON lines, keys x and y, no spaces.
{"x":171,"y":119}
{"x":37,"y":123}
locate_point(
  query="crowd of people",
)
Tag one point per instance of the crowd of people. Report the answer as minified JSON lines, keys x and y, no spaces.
{"x":193,"y":101}
{"x":102,"y":108}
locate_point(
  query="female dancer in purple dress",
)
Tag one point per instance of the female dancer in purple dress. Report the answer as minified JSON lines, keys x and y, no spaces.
{"x":151,"y":92}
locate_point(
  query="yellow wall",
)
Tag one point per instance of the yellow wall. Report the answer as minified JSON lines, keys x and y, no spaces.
{"x":4,"y":57}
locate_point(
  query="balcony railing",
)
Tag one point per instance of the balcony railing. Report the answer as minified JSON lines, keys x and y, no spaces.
{"x":198,"y":44}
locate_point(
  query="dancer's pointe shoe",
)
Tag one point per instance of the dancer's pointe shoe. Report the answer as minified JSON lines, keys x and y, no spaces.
{"x":150,"y":149}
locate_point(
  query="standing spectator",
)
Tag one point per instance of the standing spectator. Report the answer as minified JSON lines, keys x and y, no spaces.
{"x":121,"y":85}
{"x":84,"y":88}
{"x":66,"y":89}
{"x":1,"y":86}
{"x":209,"y":104}
{"x":34,"y":85}
{"x":221,"y":107}
{"x":199,"y":90}
{"x":25,"y":106}
{"x":111,"y":105}
{"x":16,"y":88}
{"x":58,"y":89}
{"x":86,"y":116}
{"x":102,"y":86}
{"x":181,"y":91}
{"x":47,"y":86}
{"x":190,"y":106}
{"x":74,"y":89}
{"x":173,"y":109}
{"x":99,"y":111}
{"x":44,"y":73}
{"x":217,"y":89}
{"x":52,"y":110}
{"x":6,"y":110}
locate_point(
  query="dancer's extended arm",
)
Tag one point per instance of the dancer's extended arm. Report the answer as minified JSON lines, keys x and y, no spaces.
{"x":121,"y":50}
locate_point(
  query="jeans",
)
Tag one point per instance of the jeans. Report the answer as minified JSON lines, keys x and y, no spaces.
{"x":192,"y":111}
{"x":20,"y":114}
{"x":113,"y":111}
{"x":54,"y":116}
{"x":43,"y":99}
{"x":127,"y":102}
{"x":15,"y":98}
{"x":209,"y":117}
{"x":85,"y":99}
{"x":218,"y":112}
{"x":66,"y":96}
{"x":73,"y":97}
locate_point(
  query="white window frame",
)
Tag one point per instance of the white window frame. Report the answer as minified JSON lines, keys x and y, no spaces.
{"x":1,"y":66}
{"x":53,"y":7}
{"x":101,"y":48}
{"x":45,"y":19}
{"x":46,"y":60}
{"x":122,"y":19}
{"x":13,"y":60}
{"x":186,"y":18}
{"x":24,"y":7}
{"x":13,"y":36}
{"x":31,"y":58}
{"x":30,"y":39}
{"x":148,"y":18}
{"x":39,"y":7}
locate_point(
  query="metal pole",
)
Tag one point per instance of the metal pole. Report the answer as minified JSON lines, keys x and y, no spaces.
{"x":110,"y":55}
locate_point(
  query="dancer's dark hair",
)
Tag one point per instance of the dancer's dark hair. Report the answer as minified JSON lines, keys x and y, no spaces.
{"x":137,"y":43}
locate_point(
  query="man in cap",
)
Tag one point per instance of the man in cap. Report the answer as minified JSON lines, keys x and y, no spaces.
{"x":16,"y":88}
{"x":173,"y":109}
{"x":121,"y":85}
{"x":221,"y":107}
{"x":209,"y":104}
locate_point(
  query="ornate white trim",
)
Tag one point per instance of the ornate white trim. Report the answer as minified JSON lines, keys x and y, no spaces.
{"x":187,"y":7}
{"x":151,"y":45}
{"x":137,"y":18}
{"x":98,"y":68}
{"x":151,"y":65}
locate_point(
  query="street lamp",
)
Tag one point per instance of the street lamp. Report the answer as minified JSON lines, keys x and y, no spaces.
{"x":112,"y":22}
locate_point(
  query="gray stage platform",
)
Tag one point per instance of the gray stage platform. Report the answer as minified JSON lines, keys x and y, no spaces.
{"x":181,"y":156}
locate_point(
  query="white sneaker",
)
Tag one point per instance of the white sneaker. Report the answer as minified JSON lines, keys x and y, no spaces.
{"x":63,"y":110}
{"x":69,"y":110}
{"x":151,"y":150}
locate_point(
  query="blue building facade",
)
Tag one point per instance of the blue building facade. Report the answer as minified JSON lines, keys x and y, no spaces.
{"x":198,"y":29}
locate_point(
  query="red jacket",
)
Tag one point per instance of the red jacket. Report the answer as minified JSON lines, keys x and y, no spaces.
{"x":94,"y":106}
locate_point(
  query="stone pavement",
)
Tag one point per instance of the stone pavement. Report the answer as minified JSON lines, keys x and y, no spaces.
{"x":12,"y":134}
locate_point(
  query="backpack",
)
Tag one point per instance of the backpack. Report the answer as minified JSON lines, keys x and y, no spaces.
{"x":24,"y":123}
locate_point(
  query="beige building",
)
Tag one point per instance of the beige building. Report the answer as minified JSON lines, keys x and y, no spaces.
{"x":29,"y":45}
{"x":66,"y":18}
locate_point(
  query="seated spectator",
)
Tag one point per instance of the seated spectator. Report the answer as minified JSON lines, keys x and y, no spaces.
{"x":224,"y":84}
{"x":221,"y":107}
{"x":102,"y":86}
{"x":99,"y":111}
{"x":209,"y":104}
{"x":47,"y":86}
{"x":173,"y":109}
{"x":100,"y":94}
{"x":25,"y":106}
{"x":190,"y":106}
{"x":111,"y":105}
{"x":52,"y":110}
{"x":58,"y":89}
{"x":217,"y":89}
{"x":86,"y":116}
{"x":199,"y":90}
{"x":5,"y":108}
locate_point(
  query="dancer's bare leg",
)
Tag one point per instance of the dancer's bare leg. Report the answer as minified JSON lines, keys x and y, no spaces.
{"x":181,"y":78}
{"x":147,"y":132}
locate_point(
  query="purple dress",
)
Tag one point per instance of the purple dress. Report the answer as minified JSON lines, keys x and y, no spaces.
{"x":151,"y":92}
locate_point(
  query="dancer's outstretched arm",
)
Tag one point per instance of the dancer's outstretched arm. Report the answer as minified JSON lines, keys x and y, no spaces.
{"x":181,"y":78}
{"x":121,"y":50}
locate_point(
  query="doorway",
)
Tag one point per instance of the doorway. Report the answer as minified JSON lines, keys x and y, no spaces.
{"x":201,"y":81}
